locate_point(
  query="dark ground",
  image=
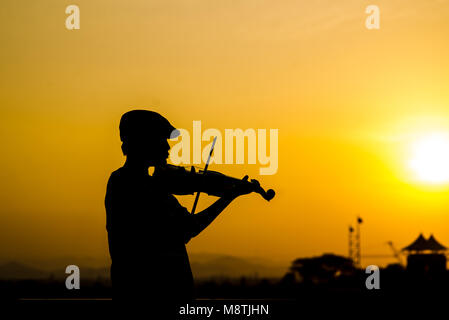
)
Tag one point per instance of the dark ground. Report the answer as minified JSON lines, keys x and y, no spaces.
{"x":346,"y":296}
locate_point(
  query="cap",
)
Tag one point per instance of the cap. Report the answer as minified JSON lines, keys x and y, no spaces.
{"x":138,"y":123}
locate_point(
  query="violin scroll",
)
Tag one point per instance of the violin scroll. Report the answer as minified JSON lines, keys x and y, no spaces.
{"x":267,"y":195}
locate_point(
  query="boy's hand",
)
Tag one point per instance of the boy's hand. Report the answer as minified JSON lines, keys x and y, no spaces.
{"x":241,"y":189}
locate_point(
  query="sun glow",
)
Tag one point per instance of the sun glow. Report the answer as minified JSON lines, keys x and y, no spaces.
{"x":430,"y":158}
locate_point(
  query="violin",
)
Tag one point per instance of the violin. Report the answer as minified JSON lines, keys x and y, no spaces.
{"x":180,"y":181}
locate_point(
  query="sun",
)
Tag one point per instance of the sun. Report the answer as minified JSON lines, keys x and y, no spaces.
{"x":430,"y":158}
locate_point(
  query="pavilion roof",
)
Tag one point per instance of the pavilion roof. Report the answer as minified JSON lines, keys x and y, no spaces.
{"x":423,"y":244}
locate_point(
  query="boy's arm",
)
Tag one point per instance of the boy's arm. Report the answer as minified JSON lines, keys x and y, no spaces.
{"x":204,"y":218}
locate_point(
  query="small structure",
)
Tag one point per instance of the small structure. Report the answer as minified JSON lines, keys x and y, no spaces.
{"x":321,"y":270}
{"x":426,"y":257}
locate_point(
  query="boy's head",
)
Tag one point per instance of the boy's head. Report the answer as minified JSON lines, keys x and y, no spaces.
{"x":144,"y":135}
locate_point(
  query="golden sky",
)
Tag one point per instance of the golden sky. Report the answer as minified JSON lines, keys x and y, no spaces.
{"x":347,"y":101}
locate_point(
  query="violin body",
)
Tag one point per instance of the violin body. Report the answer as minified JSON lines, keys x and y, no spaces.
{"x":180,"y":181}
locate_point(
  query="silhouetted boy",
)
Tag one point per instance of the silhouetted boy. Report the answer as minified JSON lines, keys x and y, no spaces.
{"x":147,"y":227}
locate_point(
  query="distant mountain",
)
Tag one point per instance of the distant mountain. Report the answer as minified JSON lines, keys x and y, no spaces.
{"x":204,"y":265}
{"x":214,"y":265}
{"x":61,"y":262}
{"x":17,"y":271}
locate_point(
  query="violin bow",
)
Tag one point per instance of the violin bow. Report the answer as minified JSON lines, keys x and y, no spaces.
{"x":205,"y":169}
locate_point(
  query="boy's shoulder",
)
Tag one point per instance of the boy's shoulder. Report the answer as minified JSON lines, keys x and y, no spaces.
{"x":117,"y":175}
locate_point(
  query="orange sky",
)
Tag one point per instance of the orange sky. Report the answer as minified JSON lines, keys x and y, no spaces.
{"x":347,"y":102}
